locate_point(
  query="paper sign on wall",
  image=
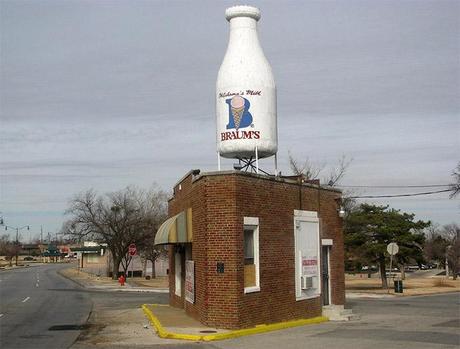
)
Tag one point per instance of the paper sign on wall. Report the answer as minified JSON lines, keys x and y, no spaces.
{"x":309,"y":266}
{"x":190,"y":281}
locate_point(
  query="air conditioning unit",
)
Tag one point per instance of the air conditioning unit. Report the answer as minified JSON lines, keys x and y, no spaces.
{"x":306,"y":282}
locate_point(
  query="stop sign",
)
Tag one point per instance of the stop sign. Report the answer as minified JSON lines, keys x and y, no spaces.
{"x":132,"y":250}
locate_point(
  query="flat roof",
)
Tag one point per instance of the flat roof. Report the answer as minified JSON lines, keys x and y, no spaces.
{"x":197,"y":175}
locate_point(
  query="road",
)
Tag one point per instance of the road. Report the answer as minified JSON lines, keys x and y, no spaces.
{"x":41,"y":309}
{"x":28,"y":311}
{"x":35,"y":299}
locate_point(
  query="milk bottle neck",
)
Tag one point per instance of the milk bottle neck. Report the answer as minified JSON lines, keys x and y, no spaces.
{"x":243,"y":33}
{"x":243,"y":23}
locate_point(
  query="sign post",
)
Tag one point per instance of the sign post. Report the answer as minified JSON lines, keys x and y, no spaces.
{"x":392,"y":249}
{"x":132,"y":250}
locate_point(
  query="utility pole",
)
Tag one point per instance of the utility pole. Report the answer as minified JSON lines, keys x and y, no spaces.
{"x":17,"y":245}
{"x":41,"y":243}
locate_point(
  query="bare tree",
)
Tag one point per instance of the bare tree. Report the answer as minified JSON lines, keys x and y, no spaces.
{"x":337,"y":172}
{"x":310,"y":170}
{"x":117,"y":219}
{"x":157,"y":215}
{"x":307,"y":169}
{"x":435,"y":245}
{"x":7,"y":248}
{"x":451,"y":233}
{"x":456,"y":185}
{"x":152,"y":253}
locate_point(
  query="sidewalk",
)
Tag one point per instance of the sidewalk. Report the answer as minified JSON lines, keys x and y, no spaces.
{"x":174,"y":323}
{"x":89,"y":281}
{"x":168,"y":322}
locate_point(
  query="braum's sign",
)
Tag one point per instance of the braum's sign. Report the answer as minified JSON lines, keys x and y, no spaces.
{"x":190,"y":281}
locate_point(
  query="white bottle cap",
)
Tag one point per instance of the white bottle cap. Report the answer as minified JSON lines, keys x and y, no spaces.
{"x":242,"y":11}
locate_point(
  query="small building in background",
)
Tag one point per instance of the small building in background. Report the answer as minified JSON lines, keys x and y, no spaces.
{"x":92,"y":258}
{"x":96,"y":259}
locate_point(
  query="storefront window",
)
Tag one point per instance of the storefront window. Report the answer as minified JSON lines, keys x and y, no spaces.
{"x":251,"y":254}
{"x":306,"y":234}
{"x":248,"y":246}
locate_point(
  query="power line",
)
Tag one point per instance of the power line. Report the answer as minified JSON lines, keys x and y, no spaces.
{"x":399,"y":195}
{"x":396,"y":186}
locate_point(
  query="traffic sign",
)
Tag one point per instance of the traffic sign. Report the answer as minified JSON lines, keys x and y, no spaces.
{"x":132,"y":250}
{"x":392,"y":248}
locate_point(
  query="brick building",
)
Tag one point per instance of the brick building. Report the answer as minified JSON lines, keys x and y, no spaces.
{"x":248,"y":249}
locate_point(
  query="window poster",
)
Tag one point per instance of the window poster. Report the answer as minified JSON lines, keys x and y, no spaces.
{"x":310,"y":266}
{"x":190,"y":281}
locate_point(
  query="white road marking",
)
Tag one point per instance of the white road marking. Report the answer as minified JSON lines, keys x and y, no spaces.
{"x":25,"y":299}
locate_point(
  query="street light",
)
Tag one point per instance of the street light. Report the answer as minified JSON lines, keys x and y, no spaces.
{"x":18,"y":229}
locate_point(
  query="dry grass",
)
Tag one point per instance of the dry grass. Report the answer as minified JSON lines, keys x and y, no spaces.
{"x":443,"y":283}
{"x":412,"y":286}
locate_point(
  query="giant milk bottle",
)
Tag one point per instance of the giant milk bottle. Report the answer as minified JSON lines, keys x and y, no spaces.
{"x":245,"y":92}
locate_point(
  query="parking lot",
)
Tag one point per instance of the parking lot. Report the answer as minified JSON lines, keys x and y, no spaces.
{"x":422,"y":322}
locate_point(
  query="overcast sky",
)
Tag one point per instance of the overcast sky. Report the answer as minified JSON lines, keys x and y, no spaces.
{"x":103,"y":94}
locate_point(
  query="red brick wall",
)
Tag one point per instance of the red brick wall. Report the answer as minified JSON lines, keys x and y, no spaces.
{"x":184,"y":198}
{"x":219,"y":203}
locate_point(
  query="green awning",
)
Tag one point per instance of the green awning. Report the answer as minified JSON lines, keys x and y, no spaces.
{"x":176,"y":230}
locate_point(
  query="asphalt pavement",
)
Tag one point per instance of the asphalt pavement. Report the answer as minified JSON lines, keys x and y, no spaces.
{"x":39,"y":308}
{"x":418,"y":322}
{"x":37,"y":304}
{"x":34,"y":300}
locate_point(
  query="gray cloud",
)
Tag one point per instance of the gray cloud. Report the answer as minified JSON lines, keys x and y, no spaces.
{"x":107,"y":94}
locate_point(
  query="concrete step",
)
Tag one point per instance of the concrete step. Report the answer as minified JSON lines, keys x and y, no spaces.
{"x":338,"y":313}
{"x":346,"y":312}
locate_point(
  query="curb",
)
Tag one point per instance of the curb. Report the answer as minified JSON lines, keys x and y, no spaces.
{"x":162,"y":333}
{"x":119,"y":289}
{"x":363,"y":295}
{"x":69,"y":278}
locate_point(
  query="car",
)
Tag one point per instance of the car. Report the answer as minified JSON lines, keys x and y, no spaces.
{"x":29,"y":258}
